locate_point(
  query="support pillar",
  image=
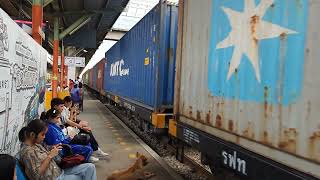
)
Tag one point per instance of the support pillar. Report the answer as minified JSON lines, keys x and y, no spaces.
{"x":55,"y":58}
{"x":37,"y":16}
{"x":66,"y":80}
{"x":62,"y":79}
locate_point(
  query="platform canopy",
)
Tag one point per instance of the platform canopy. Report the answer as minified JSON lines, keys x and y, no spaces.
{"x":83,"y":23}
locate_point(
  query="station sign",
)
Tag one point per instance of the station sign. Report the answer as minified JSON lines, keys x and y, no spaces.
{"x":73,"y":61}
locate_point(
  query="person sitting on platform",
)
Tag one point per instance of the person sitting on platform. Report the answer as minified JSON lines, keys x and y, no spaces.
{"x":55,"y":136}
{"x":39,"y":163}
{"x":68,"y":118}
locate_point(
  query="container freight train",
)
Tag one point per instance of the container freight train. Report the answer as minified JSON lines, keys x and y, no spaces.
{"x":246,"y":90}
{"x":139,"y":73}
{"x":247,"y":93}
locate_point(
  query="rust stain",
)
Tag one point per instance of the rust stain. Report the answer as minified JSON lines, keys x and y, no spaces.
{"x":283,"y":36}
{"x":265,"y":102}
{"x":254,"y":21}
{"x":218,"y":105}
{"x":308,"y":110}
{"x":237,"y":139}
{"x":314,"y":146}
{"x":248,"y":132}
{"x":190,"y":111}
{"x":222,"y":104}
{"x":208,"y":117}
{"x":230,"y":125}
{"x":265,"y":138}
{"x":270,"y":108}
{"x":236,"y":74}
{"x":307,"y":50}
{"x":183,"y":106}
{"x":218,"y":121}
{"x":198,"y":116}
{"x":280,"y":119}
{"x":289,"y":140}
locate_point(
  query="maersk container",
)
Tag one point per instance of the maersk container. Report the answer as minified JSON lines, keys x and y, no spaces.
{"x":247,"y":87}
{"x":140,"y":66}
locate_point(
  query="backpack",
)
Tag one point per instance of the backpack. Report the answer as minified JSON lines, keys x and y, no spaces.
{"x":81,"y":139}
{"x":70,"y":159}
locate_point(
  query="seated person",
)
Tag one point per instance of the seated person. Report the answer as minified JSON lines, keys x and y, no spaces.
{"x":39,"y":163}
{"x":68,"y":118}
{"x":7,"y":167}
{"x":55,"y":136}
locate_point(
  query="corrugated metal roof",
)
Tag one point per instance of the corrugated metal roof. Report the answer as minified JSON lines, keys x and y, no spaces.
{"x":104,"y":14}
{"x":134,"y":11}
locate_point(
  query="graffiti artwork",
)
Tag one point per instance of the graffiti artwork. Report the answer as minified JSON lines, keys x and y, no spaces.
{"x":22,"y":82}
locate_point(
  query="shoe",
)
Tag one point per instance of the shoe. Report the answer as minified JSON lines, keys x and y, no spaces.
{"x":93,"y":159}
{"x":101,"y":153}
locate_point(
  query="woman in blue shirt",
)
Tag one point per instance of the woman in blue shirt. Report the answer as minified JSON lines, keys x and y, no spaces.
{"x":56,"y":136}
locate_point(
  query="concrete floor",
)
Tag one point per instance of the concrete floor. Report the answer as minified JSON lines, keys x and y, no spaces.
{"x":114,"y":139}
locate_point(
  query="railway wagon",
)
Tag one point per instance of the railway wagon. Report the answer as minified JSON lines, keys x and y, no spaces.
{"x":139,"y":73}
{"x":90,"y":78}
{"x":246,"y":89}
{"x":86,"y":78}
{"x":97,"y":79}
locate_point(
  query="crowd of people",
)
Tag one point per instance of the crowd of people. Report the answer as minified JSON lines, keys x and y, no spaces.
{"x":58,"y":145}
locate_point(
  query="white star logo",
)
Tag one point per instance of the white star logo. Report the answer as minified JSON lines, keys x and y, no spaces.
{"x":247,"y":29}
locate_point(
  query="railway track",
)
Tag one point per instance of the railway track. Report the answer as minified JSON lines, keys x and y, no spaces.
{"x":190,"y":168}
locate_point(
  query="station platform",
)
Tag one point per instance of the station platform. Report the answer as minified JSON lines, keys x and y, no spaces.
{"x":120,"y":143}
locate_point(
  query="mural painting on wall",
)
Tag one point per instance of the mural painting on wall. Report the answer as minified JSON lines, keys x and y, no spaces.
{"x":22,"y":82}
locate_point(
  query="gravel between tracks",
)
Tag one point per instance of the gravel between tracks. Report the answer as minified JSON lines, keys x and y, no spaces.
{"x":187,"y":172}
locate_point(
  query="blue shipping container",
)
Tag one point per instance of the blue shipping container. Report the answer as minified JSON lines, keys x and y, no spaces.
{"x":140,"y":67}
